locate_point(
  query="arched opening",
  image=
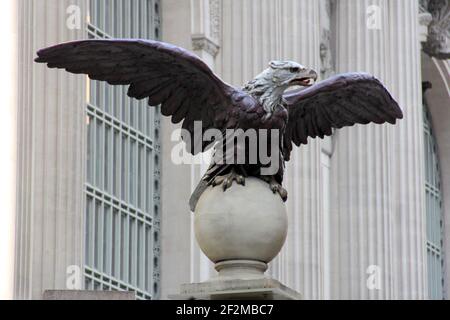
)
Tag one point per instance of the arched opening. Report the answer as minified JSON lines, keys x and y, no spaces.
{"x":437,"y":73}
{"x":434,"y":220}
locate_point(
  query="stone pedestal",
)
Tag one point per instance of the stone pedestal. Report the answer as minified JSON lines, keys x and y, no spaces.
{"x":238,"y":280}
{"x":237,"y":289}
{"x":241,"y":230}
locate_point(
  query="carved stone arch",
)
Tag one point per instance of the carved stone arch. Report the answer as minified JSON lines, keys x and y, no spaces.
{"x":436,"y":72}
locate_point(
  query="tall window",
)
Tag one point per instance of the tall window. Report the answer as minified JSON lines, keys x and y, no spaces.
{"x":433,"y":211}
{"x":123,"y":171}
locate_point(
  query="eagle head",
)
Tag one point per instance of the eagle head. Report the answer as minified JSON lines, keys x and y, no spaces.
{"x":290,"y":73}
{"x":270,"y":85}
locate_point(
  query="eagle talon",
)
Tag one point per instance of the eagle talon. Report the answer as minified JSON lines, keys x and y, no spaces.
{"x":227,"y":180}
{"x":283,"y":194}
{"x":240,"y":180}
{"x":217,"y":181}
{"x":276,"y":187}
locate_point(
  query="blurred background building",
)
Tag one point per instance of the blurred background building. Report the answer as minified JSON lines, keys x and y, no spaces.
{"x":96,"y":202}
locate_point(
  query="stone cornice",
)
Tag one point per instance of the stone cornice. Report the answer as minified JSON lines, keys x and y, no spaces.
{"x":202,"y":42}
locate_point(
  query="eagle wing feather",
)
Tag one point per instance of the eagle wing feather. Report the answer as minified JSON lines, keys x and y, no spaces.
{"x":340,"y":101}
{"x":166,"y":75}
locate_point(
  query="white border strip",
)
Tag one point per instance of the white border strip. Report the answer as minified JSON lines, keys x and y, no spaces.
{"x":8,"y":143}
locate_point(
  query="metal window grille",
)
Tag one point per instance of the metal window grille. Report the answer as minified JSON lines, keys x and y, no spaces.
{"x":433,"y":211}
{"x":123,"y":171}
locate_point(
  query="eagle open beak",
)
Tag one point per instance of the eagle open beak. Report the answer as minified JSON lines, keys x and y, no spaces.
{"x":305,"y":78}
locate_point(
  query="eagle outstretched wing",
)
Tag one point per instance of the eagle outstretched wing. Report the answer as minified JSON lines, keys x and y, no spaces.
{"x":184,"y":85}
{"x":340,"y":101}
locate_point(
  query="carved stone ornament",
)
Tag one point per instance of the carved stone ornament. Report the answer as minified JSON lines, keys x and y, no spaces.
{"x":215,"y":19}
{"x":326,"y":69}
{"x":438,"y":40}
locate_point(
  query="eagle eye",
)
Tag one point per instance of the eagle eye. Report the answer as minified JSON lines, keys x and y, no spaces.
{"x":294,"y":69}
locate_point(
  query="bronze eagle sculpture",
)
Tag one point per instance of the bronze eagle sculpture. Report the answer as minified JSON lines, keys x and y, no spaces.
{"x":188,"y":91}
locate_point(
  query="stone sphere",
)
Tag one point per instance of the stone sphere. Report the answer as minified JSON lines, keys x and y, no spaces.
{"x":243,"y":223}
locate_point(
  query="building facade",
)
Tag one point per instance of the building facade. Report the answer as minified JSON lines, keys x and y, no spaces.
{"x":100,"y":205}
{"x":107,"y":236}
{"x":122,"y":183}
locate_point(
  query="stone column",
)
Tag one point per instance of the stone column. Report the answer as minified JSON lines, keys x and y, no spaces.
{"x":8,"y":143}
{"x":205,"y":34}
{"x":51,"y":152}
{"x":377,"y":181}
{"x":407,"y":171}
{"x":258,"y":31}
{"x":193,"y":25}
